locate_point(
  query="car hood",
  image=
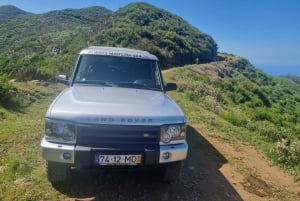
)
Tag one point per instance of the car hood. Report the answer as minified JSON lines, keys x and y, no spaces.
{"x":115,"y":105}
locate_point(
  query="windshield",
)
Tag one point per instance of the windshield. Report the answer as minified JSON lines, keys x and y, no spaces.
{"x":118,"y":72}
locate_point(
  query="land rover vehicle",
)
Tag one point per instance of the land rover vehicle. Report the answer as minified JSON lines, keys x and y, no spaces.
{"x":115,"y":112}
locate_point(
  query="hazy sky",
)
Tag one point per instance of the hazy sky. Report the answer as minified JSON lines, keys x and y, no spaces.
{"x":267,"y":32}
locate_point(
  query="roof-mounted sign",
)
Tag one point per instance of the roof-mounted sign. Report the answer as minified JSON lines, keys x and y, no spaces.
{"x":119,"y":52}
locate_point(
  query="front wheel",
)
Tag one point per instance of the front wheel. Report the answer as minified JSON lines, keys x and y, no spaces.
{"x":171,"y":172}
{"x":57,"y":172}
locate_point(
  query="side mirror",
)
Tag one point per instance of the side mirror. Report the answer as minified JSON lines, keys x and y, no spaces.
{"x":171,"y":86}
{"x":64,"y":79}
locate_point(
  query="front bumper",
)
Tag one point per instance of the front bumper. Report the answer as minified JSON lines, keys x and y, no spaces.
{"x":55,"y":152}
{"x":84,"y":156}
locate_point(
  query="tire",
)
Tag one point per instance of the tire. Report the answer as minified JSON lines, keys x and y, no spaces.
{"x":171,"y":172}
{"x":57,"y":172}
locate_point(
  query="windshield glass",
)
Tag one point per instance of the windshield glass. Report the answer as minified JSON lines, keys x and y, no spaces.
{"x":118,"y":72}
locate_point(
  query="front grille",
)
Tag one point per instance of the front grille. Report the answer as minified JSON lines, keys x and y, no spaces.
{"x":115,"y":136}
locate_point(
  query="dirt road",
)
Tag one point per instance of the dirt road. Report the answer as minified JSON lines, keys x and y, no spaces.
{"x":213,"y":171}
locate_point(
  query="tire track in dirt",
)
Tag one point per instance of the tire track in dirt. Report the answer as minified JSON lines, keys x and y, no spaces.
{"x":252,"y":173}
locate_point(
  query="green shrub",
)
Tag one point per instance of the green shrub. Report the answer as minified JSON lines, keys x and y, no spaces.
{"x":236,"y":118}
{"x":289,"y":152}
{"x":27,"y":74}
{"x":262,"y":114}
{"x":268,"y":130}
{"x":5,"y":89}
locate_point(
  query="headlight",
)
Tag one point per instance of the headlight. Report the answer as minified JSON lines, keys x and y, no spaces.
{"x":60,"y":131}
{"x":173,"y":133}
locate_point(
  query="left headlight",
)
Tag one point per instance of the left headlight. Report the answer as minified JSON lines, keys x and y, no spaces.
{"x":60,"y":131}
{"x":172,"y":133}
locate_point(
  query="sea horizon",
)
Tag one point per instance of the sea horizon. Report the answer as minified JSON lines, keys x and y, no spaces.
{"x":280,"y":70}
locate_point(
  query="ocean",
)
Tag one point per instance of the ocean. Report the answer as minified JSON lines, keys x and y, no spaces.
{"x":280,"y":69}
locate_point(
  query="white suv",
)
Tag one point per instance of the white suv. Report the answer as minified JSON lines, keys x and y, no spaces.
{"x":115,"y":112}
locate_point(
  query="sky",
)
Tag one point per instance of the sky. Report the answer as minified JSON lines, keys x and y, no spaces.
{"x":266,"y":32}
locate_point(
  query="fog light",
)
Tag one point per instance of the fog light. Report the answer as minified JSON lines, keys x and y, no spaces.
{"x":66,"y":156}
{"x":166,"y":155}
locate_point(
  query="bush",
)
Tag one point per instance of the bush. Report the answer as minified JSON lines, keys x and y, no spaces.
{"x":240,"y":63}
{"x":269,"y":130}
{"x":5,"y":89}
{"x":236,"y":118}
{"x":27,"y":74}
{"x":262,"y":114}
{"x":289,"y":152}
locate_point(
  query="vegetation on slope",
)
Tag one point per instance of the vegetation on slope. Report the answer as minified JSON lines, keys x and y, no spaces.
{"x":266,"y":108}
{"x":8,"y":13}
{"x":40,"y":46}
{"x":37,"y":47}
{"x":293,"y":78}
{"x":168,"y":36}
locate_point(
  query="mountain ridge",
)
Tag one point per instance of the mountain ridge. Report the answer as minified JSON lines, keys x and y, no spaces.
{"x":31,"y":42}
{"x":10,"y":12}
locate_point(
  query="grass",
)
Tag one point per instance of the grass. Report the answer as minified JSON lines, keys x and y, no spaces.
{"x":22,"y":170}
{"x":224,"y":131}
{"x":236,"y":124}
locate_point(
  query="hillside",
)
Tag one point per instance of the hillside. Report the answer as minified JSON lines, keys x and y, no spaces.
{"x":264,"y":110}
{"x":40,"y":46}
{"x":166,"y":35}
{"x":293,"y":78}
{"x":8,"y":13}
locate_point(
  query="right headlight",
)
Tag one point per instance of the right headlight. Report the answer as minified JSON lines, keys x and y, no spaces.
{"x":172,"y":133}
{"x":60,"y":131}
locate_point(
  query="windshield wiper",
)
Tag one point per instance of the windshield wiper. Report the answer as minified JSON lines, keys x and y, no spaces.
{"x":129,"y":84}
{"x":117,"y":84}
{"x":135,"y":85}
{"x":95,"y":82}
